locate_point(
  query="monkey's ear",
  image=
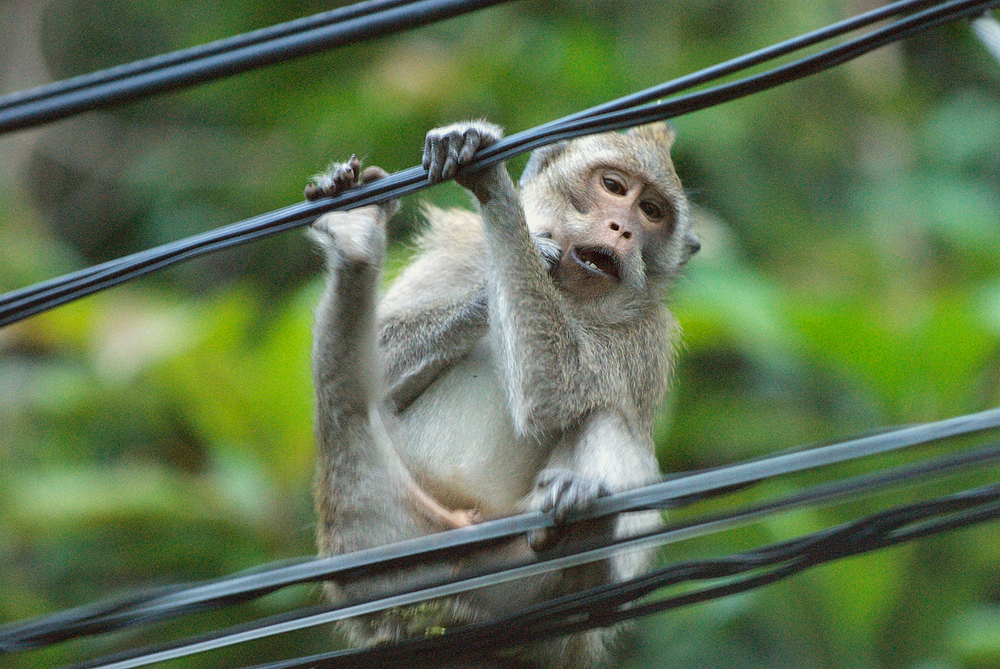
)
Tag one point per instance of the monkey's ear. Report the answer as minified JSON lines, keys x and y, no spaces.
{"x":660,"y":133}
{"x":540,"y":159}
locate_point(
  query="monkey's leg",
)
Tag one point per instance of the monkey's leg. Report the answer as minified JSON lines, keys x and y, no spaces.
{"x":360,"y":475}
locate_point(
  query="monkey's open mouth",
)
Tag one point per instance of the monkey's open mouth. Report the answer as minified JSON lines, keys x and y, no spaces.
{"x":597,"y":260}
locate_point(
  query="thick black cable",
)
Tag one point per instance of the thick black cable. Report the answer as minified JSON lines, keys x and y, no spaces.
{"x":223,"y":59}
{"x":569,"y":128}
{"x":752,"y":59}
{"x":75,"y":623}
{"x":86,"y":86}
{"x":877,"y":532}
{"x":19,"y":304}
{"x":673,"y":493}
{"x":124,"y":72}
{"x":608,"y":604}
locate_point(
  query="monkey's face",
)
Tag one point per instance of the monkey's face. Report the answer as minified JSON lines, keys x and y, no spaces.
{"x":612,"y":224}
{"x":614,"y":205}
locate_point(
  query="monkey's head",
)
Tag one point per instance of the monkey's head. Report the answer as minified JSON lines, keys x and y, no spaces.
{"x":614,"y":205}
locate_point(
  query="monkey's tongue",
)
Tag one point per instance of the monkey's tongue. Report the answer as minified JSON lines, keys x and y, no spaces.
{"x":596,"y":260}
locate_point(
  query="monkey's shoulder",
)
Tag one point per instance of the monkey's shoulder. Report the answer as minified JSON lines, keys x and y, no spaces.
{"x":458,"y":231}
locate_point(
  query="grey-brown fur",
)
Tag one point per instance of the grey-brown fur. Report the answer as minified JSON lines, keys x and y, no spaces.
{"x":518,"y":363}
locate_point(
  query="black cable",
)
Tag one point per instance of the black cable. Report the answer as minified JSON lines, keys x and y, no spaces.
{"x":103,"y":617}
{"x":613,"y":603}
{"x":829,"y":544}
{"x":124,"y":72}
{"x":310,"y":35}
{"x":19,"y":304}
{"x":170,"y":602}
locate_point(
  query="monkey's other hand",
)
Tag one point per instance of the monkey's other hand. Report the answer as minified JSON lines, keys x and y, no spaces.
{"x":548,"y":249}
{"x":561,"y":492}
{"x":448,"y":149}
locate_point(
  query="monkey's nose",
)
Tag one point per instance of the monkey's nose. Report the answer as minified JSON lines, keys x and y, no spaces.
{"x":626,"y":234}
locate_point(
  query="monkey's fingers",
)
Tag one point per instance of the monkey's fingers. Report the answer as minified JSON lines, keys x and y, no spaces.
{"x":548,"y":249}
{"x":447,"y":149}
{"x":563,"y":491}
{"x":472,"y":141}
{"x":441,"y":153}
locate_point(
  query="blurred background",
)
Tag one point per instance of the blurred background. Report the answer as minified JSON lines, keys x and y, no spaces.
{"x":849,"y":280}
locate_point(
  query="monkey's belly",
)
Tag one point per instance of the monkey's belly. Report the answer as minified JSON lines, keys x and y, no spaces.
{"x":459,"y":440}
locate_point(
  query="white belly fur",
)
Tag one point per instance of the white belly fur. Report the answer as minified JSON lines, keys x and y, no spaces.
{"x":458,"y":439}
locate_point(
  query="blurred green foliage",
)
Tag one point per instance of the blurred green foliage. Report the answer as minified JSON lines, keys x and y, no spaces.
{"x":161,"y":432}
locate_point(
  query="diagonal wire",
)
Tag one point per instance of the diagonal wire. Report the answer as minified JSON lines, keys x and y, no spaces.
{"x":162,"y":604}
{"x":197,"y":53}
{"x":224,"y":58}
{"x":19,"y":304}
{"x":563,"y":615}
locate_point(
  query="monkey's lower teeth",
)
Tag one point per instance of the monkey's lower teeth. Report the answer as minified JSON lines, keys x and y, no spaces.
{"x":590,"y":264}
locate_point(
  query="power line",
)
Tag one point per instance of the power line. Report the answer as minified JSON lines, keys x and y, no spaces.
{"x":608,"y":604}
{"x":153,"y":606}
{"x":627,"y":111}
{"x":224,"y":58}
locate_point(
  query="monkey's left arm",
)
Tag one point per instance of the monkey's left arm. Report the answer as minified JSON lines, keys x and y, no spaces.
{"x":419,"y":342}
{"x":604,"y":456}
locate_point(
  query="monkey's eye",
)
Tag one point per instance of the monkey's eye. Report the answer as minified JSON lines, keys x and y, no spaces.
{"x":613,"y":185}
{"x":652,"y":210}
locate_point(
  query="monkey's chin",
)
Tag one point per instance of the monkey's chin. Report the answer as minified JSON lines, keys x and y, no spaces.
{"x":597,"y":261}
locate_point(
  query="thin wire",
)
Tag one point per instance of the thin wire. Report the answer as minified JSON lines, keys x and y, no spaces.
{"x":159,"y":62}
{"x":234,"y":56}
{"x":448,"y":545}
{"x":19,"y":304}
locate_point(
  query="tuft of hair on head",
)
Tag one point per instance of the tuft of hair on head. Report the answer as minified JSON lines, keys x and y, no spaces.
{"x":659,"y":133}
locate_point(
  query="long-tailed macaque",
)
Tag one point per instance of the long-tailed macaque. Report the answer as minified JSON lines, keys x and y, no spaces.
{"x":517,"y":364}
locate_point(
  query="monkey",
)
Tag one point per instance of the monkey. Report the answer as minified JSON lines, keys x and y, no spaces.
{"x":517,"y":364}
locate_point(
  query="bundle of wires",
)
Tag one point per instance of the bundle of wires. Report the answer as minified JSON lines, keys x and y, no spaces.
{"x":600,"y":606}
{"x":636,"y":109}
{"x":180,"y":69}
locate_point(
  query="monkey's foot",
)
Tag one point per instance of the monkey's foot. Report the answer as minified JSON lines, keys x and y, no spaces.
{"x":337,"y":178}
{"x":343,"y":176}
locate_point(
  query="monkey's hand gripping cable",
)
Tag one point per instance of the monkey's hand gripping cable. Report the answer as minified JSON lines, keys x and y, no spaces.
{"x":653,"y":104}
